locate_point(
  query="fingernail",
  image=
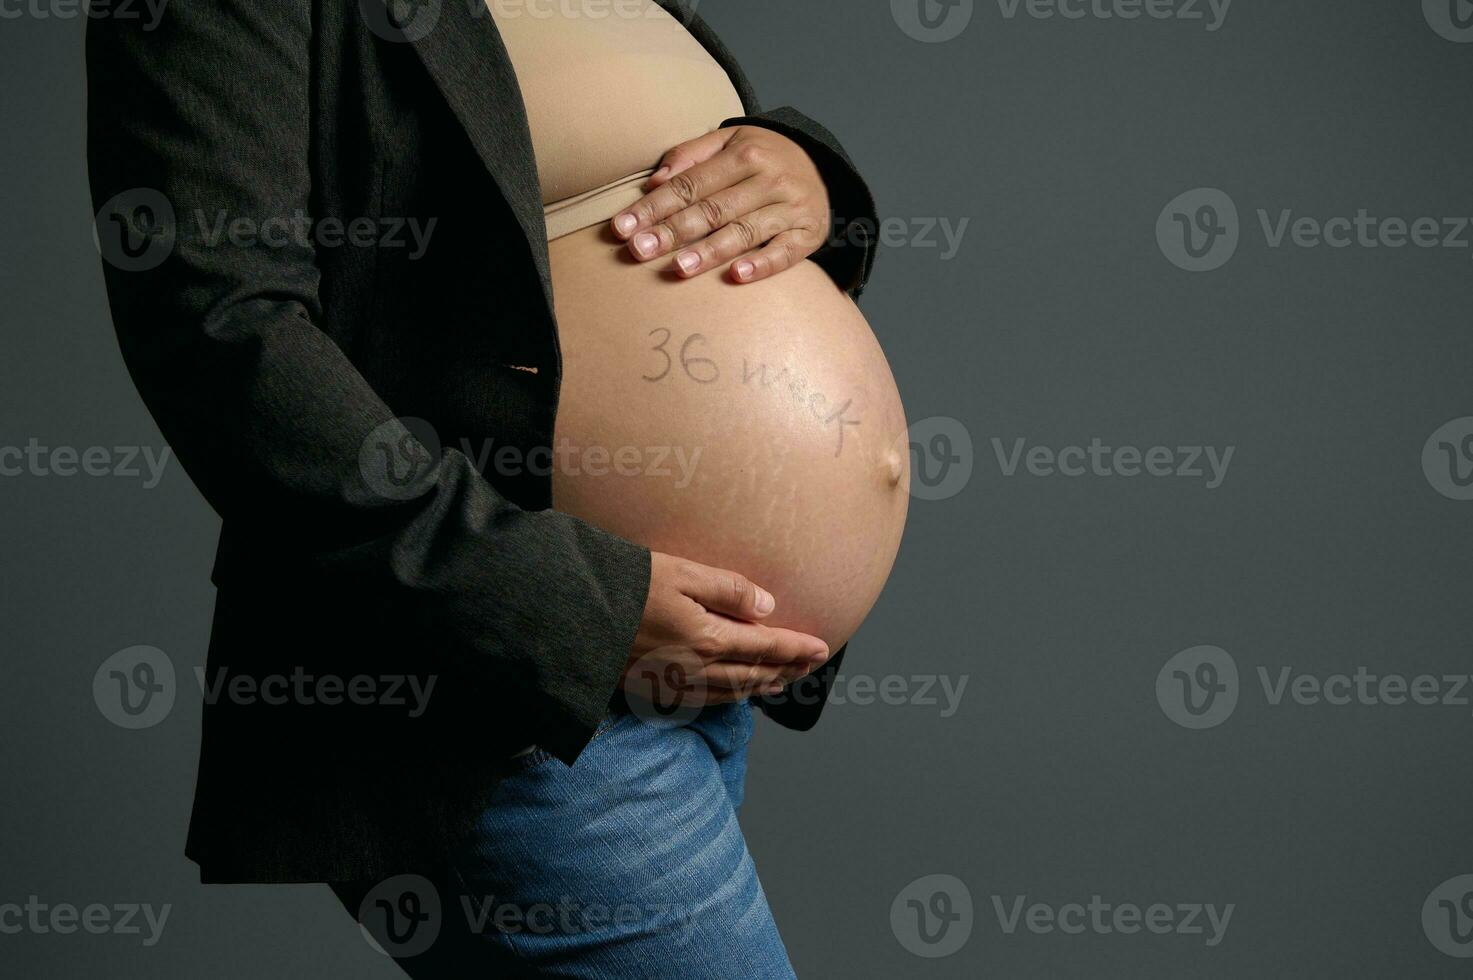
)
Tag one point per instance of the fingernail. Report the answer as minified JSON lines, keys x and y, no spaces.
{"x":765,"y":602}
{"x":688,"y":261}
{"x":645,"y":243}
{"x":819,"y":656}
{"x":659,"y":173}
{"x":625,"y":223}
{"x":773,"y":689}
{"x":744,"y":269}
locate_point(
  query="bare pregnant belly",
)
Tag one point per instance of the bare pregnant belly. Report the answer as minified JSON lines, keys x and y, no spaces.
{"x":755,"y":428}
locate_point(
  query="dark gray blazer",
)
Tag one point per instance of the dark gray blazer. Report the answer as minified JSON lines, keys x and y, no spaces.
{"x":274,"y":359}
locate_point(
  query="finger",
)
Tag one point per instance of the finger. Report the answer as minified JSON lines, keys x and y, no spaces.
{"x":735,"y":237}
{"x":728,"y":593}
{"x":648,"y":238}
{"x":744,"y":680}
{"x":783,"y":252}
{"x":713,"y":213}
{"x":682,"y":157}
{"x":731,"y":639}
{"x":718,"y":695}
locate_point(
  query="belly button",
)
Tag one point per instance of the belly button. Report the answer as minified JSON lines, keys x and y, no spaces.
{"x":894,"y":467}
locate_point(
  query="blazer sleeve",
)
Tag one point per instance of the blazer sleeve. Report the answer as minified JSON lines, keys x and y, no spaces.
{"x":848,"y":253}
{"x":207,"y":113}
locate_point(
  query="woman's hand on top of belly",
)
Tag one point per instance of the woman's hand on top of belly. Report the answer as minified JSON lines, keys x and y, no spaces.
{"x":736,"y":191}
{"x":700,"y":643}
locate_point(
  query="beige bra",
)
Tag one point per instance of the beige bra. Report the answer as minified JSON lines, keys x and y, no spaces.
{"x":609,"y":87}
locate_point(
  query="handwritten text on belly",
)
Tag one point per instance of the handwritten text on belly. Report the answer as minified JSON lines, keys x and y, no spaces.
{"x":705,"y":371}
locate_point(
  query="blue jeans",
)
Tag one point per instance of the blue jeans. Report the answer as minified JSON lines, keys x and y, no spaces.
{"x":629,"y":864}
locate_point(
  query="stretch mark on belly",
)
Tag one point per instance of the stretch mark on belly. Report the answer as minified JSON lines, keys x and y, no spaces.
{"x":696,"y":366}
{"x":797,"y":386}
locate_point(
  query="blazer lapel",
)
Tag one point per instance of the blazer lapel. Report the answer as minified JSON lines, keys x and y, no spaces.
{"x":464,"y":54}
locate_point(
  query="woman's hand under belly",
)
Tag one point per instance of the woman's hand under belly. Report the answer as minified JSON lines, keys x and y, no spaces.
{"x":750,"y":427}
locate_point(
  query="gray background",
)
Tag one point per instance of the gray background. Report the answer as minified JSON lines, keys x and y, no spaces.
{"x":1060,"y":599}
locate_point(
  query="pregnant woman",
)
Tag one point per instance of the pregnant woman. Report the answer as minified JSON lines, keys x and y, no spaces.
{"x":513,"y":347}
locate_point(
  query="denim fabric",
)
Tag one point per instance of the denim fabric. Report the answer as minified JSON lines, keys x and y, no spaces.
{"x":629,"y":864}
